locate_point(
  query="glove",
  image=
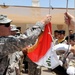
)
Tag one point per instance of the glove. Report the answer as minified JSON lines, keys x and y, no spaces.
{"x":71,"y":70}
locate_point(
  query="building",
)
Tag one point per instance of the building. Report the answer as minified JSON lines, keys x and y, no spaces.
{"x":25,"y":17}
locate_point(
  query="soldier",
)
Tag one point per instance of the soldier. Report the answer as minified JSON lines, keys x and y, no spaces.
{"x":61,"y":37}
{"x":13,"y":30}
{"x":55,"y":34}
{"x":35,"y":69}
{"x":70,"y":21}
{"x":14,"y":58}
{"x":9,"y":45}
{"x":69,"y":58}
{"x":60,"y":53}
{"x":69,"y":49}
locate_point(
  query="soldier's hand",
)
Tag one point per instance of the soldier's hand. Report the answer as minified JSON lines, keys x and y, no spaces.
{"x":46,"y":19}
{"x":25,"y":50}
{"x":69,"y":20}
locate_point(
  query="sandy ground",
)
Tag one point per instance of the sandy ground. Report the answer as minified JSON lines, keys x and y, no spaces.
{"x":45,"y":71}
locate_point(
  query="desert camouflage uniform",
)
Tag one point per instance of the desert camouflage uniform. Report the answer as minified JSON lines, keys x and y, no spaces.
{"x":7,"y":45}
{"x":33,"y":34}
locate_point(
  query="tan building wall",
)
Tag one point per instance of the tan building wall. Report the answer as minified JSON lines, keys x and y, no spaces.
{"x":24,"y":17}
{"x":54,"y":27}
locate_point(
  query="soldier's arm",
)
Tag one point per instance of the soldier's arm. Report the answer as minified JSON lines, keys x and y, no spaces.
{"x":65,"y":47}
{"x":38,"y":27}
{"x":70,"y":21}
{"x":62,"y":46}
{"x":32,"y":33}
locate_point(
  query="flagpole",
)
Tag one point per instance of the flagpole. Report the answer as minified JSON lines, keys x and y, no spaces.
{"x":74,"y":17}
{"x":67,"y":6}
{"x":48,"y":25}
{"x":67,"y":53}
{"x":69,"y":21}
{"x":67,"y":11}
{"x":74,"y":13}
{"x":49,"y":6}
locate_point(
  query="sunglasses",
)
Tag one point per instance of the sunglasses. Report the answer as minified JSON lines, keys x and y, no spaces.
{"x":6,"y":25}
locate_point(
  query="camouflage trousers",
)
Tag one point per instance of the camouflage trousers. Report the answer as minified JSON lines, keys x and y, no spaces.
{"x":4,"y":65}
{"x":72,"y":63}
{"x":33,"y":68}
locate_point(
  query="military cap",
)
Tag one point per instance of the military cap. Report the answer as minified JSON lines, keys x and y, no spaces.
{"x":13,"y":28}
{"x":61,"y":31}
{"x":4,"y":19}
{"x":56,"y":31}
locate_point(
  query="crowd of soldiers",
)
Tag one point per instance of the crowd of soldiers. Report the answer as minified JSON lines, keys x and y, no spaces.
{"x":13,"y":47}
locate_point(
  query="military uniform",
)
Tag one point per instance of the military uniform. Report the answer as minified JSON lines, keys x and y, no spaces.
{"x":33,"y":33}
{"x":14,"y":44}
{"x":60,"y":40}
{"x":60,"y":53}
{"x":7,"y":45}
{"x":14,"y":58}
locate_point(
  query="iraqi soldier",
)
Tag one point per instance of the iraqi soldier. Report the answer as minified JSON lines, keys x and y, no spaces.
{"x":70,"y":21}
{"x":60,"y":53}
{"x":61,"y":37}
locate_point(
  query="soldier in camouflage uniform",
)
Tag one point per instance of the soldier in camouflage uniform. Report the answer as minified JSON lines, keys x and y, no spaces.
{"x":14,"y":58}
{"x":34,"y":69}
{"x":9,"y":45}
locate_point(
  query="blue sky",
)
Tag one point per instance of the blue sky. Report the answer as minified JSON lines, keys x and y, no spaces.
{"x":43,"y":3}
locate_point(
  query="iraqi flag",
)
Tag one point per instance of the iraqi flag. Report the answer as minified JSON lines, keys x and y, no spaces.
{"x":41,"y":53}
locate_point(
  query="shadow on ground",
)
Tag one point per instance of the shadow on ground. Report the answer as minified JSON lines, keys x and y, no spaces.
{"x":48,"y":70}
{"x":58,"y":70}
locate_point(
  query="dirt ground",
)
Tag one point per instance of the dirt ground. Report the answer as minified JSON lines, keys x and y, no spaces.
{"x":46,"y":71}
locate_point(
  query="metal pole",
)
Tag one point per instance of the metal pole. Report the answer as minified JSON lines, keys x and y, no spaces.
{"x":67,"y":6}
{"x":49,"y":6}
